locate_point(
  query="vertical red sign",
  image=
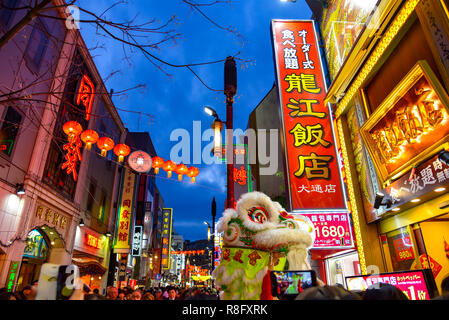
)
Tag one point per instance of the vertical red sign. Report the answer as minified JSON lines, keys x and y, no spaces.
{"x":311,"y":161}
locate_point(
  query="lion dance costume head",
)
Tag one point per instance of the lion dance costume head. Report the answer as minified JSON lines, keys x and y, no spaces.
{"x":259,"y":236}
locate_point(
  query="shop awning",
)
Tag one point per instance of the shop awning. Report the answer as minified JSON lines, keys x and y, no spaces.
{"x":89,"y":266}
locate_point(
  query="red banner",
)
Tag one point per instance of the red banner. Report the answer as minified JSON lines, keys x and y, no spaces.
{"x":312,"y":164}
{"x":332,"y":230}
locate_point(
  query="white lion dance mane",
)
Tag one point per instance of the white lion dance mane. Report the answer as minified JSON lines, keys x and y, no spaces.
{"x":259,"y":236}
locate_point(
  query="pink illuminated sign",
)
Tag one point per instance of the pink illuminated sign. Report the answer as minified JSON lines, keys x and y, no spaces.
{"x":332,"y":230}
{"x":412,"y":283}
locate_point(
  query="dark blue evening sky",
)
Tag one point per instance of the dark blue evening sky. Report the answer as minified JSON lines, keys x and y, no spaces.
{"x":178,"y":101}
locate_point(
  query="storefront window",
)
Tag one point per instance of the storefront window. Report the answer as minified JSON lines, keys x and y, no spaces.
{"x":402,"y":251}
{"x":342,"y":266}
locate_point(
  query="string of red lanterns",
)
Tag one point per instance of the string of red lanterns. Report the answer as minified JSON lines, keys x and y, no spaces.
{"x":76,"y":134}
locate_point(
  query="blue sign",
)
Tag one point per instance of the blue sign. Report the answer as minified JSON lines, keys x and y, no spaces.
{"x":158,"y":276}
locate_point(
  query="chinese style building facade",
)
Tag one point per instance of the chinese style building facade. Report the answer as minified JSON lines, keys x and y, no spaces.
{"x":58,"y":199}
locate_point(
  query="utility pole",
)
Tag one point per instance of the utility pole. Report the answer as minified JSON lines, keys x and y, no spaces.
{"x":214,"y":213}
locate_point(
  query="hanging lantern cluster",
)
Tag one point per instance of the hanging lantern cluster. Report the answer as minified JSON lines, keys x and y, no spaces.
{"x":76,"y":134}
{"x":90,"y":137}
{"x":169,"y":166}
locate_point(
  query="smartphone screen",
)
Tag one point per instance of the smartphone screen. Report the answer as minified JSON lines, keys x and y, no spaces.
{"x":67,"y":280}
{"x":291,"y":282}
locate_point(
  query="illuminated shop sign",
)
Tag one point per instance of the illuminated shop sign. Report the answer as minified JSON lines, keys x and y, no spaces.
{"x":416,"y":285}
{"x":428,"y":181}
{"x":332,"y":230}
{"x":85,"y":94}
{"x":93,"y":241}
{"x":410,"y":124}
{"x":313,"y":171}
{"x":122,"y":241}
{"x":166,"y":237}
{"x":137,"y":242}
{"x":12,"y":275}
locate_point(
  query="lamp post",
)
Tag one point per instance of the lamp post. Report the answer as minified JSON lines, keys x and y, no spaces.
{"x":230,"y":89}
{"x":214,"y":213}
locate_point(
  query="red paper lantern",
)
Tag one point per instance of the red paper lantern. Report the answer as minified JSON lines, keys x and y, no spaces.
{"x":121,"y":150}
{"x":192,"y":173}
{"x":169,"y":166}
{"x":158,"y":162}
{"x":72,"y":128}
{"x":105,"y":144}
{"x":180,"y":170}
{"x":89,"y":137}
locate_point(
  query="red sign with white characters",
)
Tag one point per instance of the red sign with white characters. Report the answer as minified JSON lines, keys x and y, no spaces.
{"x":312,"y":164}
{"x":332,"y":230}
{"x":412,"y":283}
{"x":404,"y":250}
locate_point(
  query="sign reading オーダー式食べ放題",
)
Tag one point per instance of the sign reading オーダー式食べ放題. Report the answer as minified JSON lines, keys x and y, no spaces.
{"x":312,"y":166}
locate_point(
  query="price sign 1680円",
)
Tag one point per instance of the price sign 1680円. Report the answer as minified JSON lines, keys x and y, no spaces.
{"x":332,"y":230}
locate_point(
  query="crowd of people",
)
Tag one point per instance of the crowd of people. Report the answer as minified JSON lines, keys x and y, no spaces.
{"x":29,"y":292}
{"x":380,"y":291}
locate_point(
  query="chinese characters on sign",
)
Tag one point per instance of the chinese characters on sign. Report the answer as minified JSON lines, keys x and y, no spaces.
{"x":85,"y":94}
{"x":12,"y":275}
{"x":51,"y":217}
{"x":410,"y":122}
{"x":73,"y":155}
{"x":166,"y":237}
{"x":404,"y":249}
{"x":413,"y":283}
{"x":332,"y":230}
{"x":93,"y":241}
{"x":140,"y":161}
{"x":137,"y":242}
{"x":125,"y":215}
{"x":312,"y":164}
{"x":424,"y":179}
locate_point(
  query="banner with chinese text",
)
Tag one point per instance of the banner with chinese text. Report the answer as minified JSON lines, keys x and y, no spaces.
{"x":332,"y":230}
{"x":313,"y":174}
{"x":167,"y":214}
{"x":122,"y":240}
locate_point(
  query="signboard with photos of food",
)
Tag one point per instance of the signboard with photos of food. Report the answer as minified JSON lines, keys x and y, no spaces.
{"x":312,"y":165}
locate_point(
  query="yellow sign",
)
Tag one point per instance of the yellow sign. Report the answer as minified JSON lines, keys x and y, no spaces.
{"x":125,"y":213}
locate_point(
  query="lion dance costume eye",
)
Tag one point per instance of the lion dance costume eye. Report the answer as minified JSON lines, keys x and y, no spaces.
{"x":258,"y":215}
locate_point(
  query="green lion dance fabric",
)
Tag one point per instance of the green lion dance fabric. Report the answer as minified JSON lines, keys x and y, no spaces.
{"x":259,"y":236}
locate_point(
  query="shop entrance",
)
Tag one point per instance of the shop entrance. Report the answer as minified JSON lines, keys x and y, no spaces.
{"x":423,"y":245}
{"x":37,"y":251}
{"x":35,"y":254}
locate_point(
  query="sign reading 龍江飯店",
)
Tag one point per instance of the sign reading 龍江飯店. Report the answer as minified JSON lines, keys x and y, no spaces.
{"x":167,"y":214}
{"x":122,"y":239}
{"x":313,"y":172}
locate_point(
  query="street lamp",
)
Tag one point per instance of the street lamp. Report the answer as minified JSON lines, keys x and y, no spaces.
{"x":208,"y":230}
{"x":211,"y":112}
{"x":217,"y":125}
